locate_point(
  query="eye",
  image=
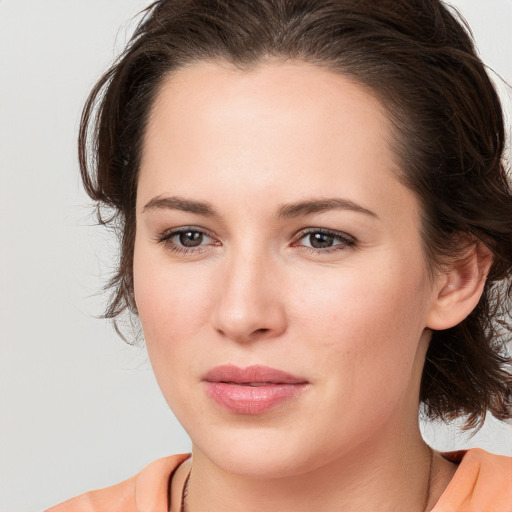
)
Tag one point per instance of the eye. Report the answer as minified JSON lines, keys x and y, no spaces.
{"x":320,"y":240}
{"x":187,"y":240}
{"x":324,"y":240}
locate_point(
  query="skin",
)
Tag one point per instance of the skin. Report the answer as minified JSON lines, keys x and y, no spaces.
{"x":353,"y":319}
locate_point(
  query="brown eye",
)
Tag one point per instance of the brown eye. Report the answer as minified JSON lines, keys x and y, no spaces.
{"x":324,"y":241}
{"x":321,"y":240}
{"x":190,"y":238}
{"x":187,"y":240}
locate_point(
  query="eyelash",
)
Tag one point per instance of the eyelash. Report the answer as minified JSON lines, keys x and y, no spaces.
{"x":344,"y":240}
{"x":166,"y":237}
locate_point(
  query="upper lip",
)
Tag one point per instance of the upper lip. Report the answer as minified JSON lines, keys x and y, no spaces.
{"x":251,"y":374}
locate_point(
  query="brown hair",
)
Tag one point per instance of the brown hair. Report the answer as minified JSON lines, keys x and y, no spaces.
{"x":418,"y":59}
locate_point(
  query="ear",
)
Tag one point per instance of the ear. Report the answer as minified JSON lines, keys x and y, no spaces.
{"x":459,"y":287}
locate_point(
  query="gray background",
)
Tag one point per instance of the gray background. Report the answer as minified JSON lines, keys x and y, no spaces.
{"x":79,"y":408}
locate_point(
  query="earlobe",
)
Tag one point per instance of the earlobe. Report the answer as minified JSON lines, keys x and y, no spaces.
{"x":460,"y":287}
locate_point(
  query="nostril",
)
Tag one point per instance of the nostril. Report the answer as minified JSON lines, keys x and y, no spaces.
{"x":260,"y":331}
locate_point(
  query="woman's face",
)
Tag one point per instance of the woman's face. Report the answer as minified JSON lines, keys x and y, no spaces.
{"x":279,"y":272}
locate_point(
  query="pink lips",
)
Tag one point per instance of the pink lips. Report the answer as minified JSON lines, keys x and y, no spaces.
{"x":251,"y":390}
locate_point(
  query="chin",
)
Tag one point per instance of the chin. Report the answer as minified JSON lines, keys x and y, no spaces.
{"x":264,"y":454}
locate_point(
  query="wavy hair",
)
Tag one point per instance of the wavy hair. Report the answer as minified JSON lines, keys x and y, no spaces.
{"x":418,"y":58}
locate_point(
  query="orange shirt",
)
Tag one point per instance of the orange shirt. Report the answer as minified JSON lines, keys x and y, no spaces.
{"x":482,"y":483}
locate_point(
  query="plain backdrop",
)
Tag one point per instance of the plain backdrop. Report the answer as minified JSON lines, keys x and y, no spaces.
{"x":79,"y":409}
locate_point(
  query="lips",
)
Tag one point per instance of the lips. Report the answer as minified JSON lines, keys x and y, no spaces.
{"x":252,"y":390}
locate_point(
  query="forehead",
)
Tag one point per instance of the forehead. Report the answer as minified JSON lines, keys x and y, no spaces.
{"x":280,"y":128}
{"x":316,"y":101}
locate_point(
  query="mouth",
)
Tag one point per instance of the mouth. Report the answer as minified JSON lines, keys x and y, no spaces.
{"x":252,"y":390}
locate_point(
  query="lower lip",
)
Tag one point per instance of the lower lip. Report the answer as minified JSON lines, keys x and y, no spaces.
{"x":243,"y":399}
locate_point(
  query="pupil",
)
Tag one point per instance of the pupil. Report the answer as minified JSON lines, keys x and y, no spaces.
{"x":191,"y":238}
{"x":321,"y":240}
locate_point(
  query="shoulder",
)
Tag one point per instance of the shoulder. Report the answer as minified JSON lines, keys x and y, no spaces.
{"x":147,"y":491}
{"x":482,"y":483}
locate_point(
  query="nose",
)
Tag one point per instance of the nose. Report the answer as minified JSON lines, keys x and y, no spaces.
{"x":249,"y":306}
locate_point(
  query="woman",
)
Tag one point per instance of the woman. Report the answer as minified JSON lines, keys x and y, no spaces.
{"x":317,"y":238}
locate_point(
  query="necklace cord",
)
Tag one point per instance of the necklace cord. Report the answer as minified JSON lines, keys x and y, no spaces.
{"x":429,"y":480}
{"x":184,"y":494}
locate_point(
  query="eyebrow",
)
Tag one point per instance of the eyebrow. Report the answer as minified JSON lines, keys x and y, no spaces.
{"x":286,"y":211}
{"x":308,"y":207}
{"x":180,"y":203}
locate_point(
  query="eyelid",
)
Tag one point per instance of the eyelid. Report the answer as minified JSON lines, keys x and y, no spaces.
{"x":166,"y":236}
{"x":168,"y":233}
{"x":346,"y":240}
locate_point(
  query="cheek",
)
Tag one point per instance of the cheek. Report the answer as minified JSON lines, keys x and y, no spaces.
{"x":172,"y":305}
{"x":172,"y":302}
{"x":366,"y":321}
{"x":369,"y":346}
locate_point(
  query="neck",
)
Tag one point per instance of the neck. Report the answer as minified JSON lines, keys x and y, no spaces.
{"x":390,"y":477}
